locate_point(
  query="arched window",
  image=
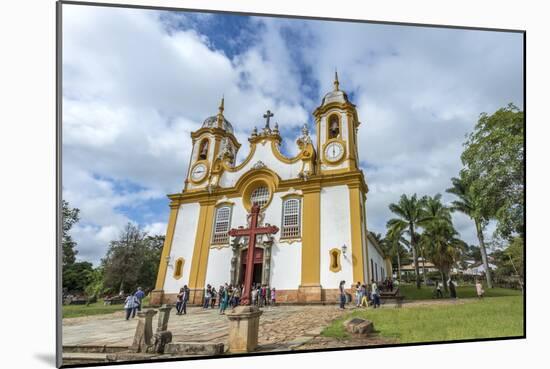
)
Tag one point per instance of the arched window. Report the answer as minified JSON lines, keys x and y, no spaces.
{"x":335,"y":265}
{"x":203,"y":149}
{"x":376,"y":271}
{"x":178,"y":268}
{"x":222,"y":223}
{"x":260,"y":196}
{"x":371,"y":269}
{"x":291,"y":218}
{"x":333,"y":126}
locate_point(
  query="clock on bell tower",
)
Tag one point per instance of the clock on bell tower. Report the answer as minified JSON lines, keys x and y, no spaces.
{"x":337,"y":124}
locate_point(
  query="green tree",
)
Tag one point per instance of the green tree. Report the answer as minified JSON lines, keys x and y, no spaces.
{"x":132,"y":260}
{"x":70,"y":216}
{"x":77,"y":276}
{"x":469,"y":202}
{"x":494,"y":164}
{"x":410,"y":215}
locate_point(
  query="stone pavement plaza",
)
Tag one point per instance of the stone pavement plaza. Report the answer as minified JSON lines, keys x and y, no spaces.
{"x":281,"y":327}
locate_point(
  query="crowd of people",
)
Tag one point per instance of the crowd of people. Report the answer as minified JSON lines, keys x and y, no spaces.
{"x":226,"y":296}
{"x":365,"y":294}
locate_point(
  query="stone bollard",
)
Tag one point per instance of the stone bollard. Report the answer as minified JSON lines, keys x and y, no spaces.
{"x":143,"y":338}
{"x":244,"y":324}
{"x":164,"y":316}
{"x":162,"y":336}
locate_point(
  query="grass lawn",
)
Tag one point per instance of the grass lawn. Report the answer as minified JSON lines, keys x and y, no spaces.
{"x":490,"y":317}
{"x":424,"y":293}
{"x":97,"y":308}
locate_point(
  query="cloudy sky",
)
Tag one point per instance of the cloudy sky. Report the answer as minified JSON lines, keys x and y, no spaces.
{"x":137,"y":82}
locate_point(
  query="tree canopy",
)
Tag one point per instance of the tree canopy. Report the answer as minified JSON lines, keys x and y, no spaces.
{"x":494,"y":167}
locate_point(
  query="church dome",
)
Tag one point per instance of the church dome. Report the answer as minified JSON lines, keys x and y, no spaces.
{"x":212,"y":122}
{"x":335,"y":96}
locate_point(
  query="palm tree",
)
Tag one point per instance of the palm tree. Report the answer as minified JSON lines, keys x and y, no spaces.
{"x":443,"y":247}
{"x":395,"y":243}
{"x":468,"y":204}
{"x":410,"y":215}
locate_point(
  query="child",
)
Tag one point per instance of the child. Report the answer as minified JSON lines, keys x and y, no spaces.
{"x":273,"y":296}
{"x":479,"y":289}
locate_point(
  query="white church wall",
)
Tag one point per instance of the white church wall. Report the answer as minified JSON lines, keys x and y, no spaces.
{"x":263,"y":153}
{"x":286,"y":265}
{"x":335,"y":232}
{"x":377,"y":262}
{"x":218,"y":271}
{"x":182,"y":245}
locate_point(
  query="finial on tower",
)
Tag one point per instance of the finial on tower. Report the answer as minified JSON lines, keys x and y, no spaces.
{"x":220,"y":118}
{"x":336,"y":83}
{"x":221,"y":106}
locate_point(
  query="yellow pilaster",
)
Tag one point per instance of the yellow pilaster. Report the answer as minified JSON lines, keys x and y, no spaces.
{"x":163,"y":265}
{"x":357,"y":249}
{"x":311,"y":237}
{"x":201,"y":249}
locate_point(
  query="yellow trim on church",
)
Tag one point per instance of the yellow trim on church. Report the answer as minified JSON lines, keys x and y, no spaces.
{"x":357,"y":248}
{"x":163,"y":265}
{"x":197,"y":275}
{"x":311,"y":237}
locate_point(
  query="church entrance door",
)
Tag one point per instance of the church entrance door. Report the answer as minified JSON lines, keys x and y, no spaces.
{"x":258,"y":266}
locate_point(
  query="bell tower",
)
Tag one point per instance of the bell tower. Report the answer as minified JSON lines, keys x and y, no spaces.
{"x":337,"y":124}
{"x":215,"y":139}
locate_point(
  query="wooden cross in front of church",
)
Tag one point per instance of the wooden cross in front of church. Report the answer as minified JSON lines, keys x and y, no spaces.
{"x":251,"y":233}
{"x":268,"y":114}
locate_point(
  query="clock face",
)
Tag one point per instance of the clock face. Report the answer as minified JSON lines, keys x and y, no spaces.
{"x":334,"y":151}
{"x":199,"y":172}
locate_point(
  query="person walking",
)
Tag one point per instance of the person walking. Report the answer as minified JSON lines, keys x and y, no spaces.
{"x":207,"y":297}
{"x":254,"y":296}
{"x":267,"y":295}
{"x":224,"y":298}
{"x":364,"y":296}
{"x":263,"y":291}
{"x":213,"y":298}
{"x":130,"y":305}
{"x":479,"y":289}
{"x":452,"y":288}
{"x":438,"y":292}
{"x":375,"y":294}
{"x":273,"y":296}
{"x":179,"y":301}
{"x":358,"y":294}
{"x":342,"y":294}
{"x":140,"y":295}
{"x":237,"y":294}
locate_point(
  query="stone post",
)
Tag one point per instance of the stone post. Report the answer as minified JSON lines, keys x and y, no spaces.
{"x":162,"y":336}
{"x":164,"y":316}
{"x":244,"y":324}
{"x":143,"y":338}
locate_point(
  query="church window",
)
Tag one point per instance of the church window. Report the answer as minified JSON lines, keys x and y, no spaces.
{"x":371,"y":269}
{"x":260,"y":196}
{"x":291,"y":219}
{"x":178,"y":268}
{"x":335,"y":265}
{"x":333,"y":126}
{"x":376,"y":271}
{"x":222,"y":223}
{"x":203,"y":149}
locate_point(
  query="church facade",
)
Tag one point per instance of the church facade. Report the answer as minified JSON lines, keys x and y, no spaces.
{"x":317,"y":199}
